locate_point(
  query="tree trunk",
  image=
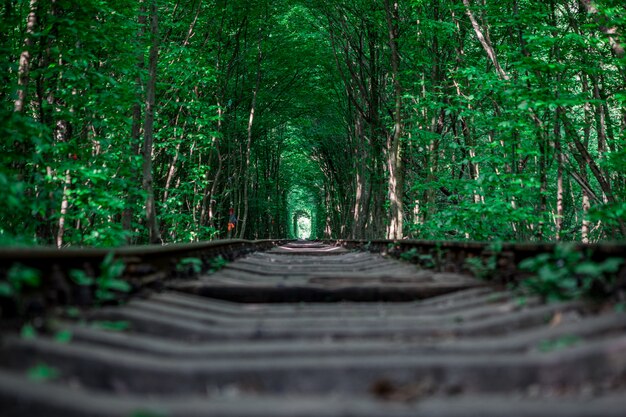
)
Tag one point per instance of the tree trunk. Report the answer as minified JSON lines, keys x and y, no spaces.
{"x":394,"y":161}
{"x":64,"y":206}
{"x":558,"y":218}
{"x":246,"y":174}
{"x":611,"y":31}
{"x":151,"y":215}
{"x":207,"y":200}
{"x":484,"y":41}
{"x":171,"y":170}
{"x":362,"y":180}
{"x":24,"y":65}
{"x":586,"y":205}
{"x":135,"y":130}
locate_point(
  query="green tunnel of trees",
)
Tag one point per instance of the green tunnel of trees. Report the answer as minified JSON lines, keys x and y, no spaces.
{"x":147,"y":121}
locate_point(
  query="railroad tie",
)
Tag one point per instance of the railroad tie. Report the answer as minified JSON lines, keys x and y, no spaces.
{"x":314,"y":330}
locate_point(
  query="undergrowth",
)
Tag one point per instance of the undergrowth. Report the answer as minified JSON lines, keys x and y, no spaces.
{"x":569,"y":274}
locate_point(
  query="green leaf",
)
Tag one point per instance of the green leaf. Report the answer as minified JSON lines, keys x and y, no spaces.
{"x":116,"y":326}
{"x":495,"y":246}
{"x":20,"y":275}
{"x":218,"y":263}
{"x":111,"y":268}
{"x":72,"y":312}
{"x":116,"y":270}
{"x":611,"y":265}
{"x":63,"y":336}
{"x":195,"y":264}
{"x":533,"y":264}
{"x":550,"y":345}
{"x":28,"y":332}
{"x":104,"y":295}
{"x":549,"y":273}
{"x":116,"y":284}
{"x":80,"y":277}
{"x":42,"y":372}
{"x":588,"y":268}
{"x":568,"y":284}
{"x":6,"y":290}
{"x":409,"y":255}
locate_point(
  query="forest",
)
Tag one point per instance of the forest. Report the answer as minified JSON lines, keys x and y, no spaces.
{"x":151,"y":121}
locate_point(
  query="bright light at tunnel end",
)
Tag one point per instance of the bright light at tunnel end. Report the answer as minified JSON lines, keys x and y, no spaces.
{"x":304,"y":227}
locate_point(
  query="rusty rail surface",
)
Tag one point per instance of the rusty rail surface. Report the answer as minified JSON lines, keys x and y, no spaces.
{"x":305,"y":329}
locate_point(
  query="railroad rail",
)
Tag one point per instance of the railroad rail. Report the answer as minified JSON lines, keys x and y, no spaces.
{"x":292,"y":328}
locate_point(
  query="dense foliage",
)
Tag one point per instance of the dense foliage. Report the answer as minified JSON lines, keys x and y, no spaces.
{"x":131,"y":122}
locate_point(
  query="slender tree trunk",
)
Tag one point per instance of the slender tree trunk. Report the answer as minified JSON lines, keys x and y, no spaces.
{"x":151,"y":215}
{"x":24,"y":64}
{"x":362,"y":195}
{"x":63,"y":212}
{"x":484,"y":41}
{"x":396,"y":174}
{"x":583,"y":153}
{"x":606,"y":27}
{"x":432,"y":158}
{"x":601,"y":125}
{"x":328,"y":228}
{"x":207,"y":200}
{"x":586,"y":205}
{"x":558,"y":218}
{"x":171,"y":171}
{"x":135,"y":130}
{"x":253,"y":107}
{"x":543,"y":183}
{"x":193,"y":23}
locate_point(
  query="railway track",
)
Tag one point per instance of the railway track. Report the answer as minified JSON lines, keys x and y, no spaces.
{"x":305,"y":329}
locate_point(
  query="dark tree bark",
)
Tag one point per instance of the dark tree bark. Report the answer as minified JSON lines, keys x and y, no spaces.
{"x":135,"y":133}
{"x":151,"y":215}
